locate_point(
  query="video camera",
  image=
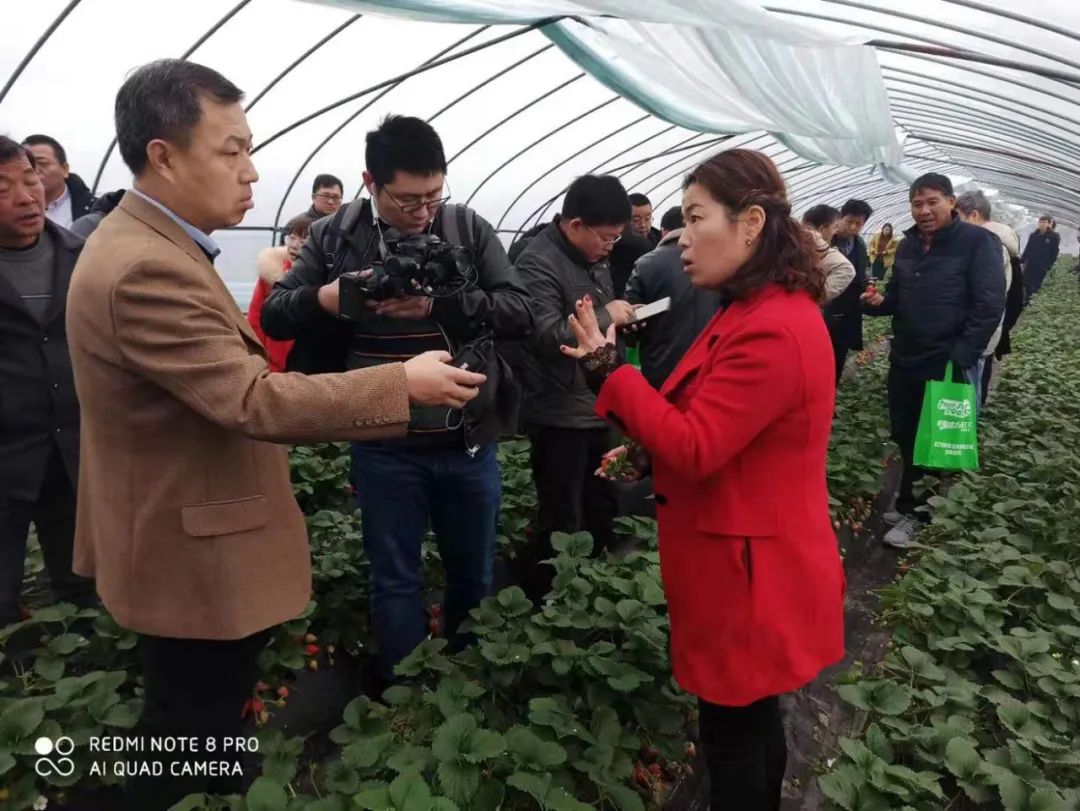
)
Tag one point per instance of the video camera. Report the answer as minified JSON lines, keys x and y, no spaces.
{"x":416,"y":265}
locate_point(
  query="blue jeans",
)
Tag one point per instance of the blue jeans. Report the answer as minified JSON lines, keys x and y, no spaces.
{"x":401,"y":491}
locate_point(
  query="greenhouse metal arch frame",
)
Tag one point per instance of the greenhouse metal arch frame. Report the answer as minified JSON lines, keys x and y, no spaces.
{"x":956,"y":119}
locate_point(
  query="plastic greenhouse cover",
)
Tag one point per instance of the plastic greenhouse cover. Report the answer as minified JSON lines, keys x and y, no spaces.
{"x":520,"y":118}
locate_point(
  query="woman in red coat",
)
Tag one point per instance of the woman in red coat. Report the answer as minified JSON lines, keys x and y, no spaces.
{"x":737,"y":438}
{"x":273,"y":263}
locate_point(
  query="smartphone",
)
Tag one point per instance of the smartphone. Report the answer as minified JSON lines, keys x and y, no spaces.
{"x":649,"y":310}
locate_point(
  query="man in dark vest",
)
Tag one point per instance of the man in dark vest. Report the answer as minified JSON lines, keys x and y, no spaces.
{"x":39,"y":412}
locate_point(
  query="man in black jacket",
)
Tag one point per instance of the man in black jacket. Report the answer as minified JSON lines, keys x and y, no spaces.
{"x":85,"y":225}
{"x":67,"y":197}
{"x":1039,"y":255}
{"x":946,"y":297}
{"x":444,"y":473}
{"x":327,"y":193}
{"x":565,"y":262}
{"x":843,"y":315}
{"x":658,"y":275}
{"x":39,"y":412}
{"x":641,"y":218}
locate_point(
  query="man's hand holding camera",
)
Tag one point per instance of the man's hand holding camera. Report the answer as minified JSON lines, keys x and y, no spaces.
{"x":415,"y":307}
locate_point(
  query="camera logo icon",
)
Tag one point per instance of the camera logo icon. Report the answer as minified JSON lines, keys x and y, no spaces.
{"x":62,"y":766}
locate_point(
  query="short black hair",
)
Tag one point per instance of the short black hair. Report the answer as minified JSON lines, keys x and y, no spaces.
{"x":931,"y":181}
{"x":820,"y":215}
{"x":38,"y":139}
{"x":327,"y":182}
{"x":1046,"y":217}
{"x":597,"y":200}
{"x":672,"y":219}
{"x":638,"y":199}
{"x":163,"y":100}
{"x":856,"y":208}
{"x":403,"y":144}
{"x":11,"y":150}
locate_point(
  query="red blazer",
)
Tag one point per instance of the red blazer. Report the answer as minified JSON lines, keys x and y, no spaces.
{"x":738,"y":436}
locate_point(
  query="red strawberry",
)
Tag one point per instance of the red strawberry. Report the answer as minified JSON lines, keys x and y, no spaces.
{"x":691,"y":750}
{"x":656,"y":771}
{"x":256,"y":705}
{"x":311,"y":650}
{"x":435,"y":611}
{"x":433,"y":627}
{"x":641,"y":777}
{"x":283,"y":692}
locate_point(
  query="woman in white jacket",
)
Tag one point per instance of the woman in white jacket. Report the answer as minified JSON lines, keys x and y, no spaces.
{"x":822,"y":221}
{"x":974,"y":207}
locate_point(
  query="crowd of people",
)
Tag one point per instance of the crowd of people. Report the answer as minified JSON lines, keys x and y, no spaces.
{"x":143,"y":415}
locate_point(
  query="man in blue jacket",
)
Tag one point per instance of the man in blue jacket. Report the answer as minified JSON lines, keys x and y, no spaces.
{"x":946,"y":298}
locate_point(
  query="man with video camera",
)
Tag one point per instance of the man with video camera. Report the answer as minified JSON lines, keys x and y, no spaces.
{"x":384,"y":279}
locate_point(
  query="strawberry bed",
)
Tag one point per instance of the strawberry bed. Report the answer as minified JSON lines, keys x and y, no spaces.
{"x":568,"y":706}
{"x":977,"y":704}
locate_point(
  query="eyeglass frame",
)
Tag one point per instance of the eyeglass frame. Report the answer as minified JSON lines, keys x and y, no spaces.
{"x":428,"y":204}
{"x":609,"y":243}
{"x":336,"y":198}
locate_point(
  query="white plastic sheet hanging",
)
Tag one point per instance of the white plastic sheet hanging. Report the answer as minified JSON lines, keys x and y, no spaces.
{"x":709,"y":65}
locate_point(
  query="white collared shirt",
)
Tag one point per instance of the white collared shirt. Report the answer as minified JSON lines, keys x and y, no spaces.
{"x":208,"y":246}
{"x":59,"y":210}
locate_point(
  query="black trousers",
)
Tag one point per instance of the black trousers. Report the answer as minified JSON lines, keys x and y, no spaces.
{"x":987,"y":376}
{"x":840,"y":353}
{"x":53,"y":515}
{"x":905,"y":392}
{"x":745,"y":752}
{"x":570,"y":497}
{"x":193,"y":688}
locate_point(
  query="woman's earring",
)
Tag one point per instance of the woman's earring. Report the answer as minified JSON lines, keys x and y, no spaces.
{"x":749,"y":242}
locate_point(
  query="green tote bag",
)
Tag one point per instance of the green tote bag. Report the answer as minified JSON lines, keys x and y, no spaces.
{"x":947,"y":437}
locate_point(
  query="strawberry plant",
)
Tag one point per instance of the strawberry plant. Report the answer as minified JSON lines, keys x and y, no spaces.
{"x":555,"y":708}
{"x":860,"y":440}
{"x":518,"y":512}
{"x":79,"y":682}
{"x":320,"y":476}
{"x":977,"y":703}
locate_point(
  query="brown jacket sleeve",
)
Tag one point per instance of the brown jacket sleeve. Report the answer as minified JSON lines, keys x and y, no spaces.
{"x":173,"y":327}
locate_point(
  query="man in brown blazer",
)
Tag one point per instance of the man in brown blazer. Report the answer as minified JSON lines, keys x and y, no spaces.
{"x":186,"y":516}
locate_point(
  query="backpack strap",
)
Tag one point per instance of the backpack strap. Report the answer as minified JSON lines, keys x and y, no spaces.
{"x":459,"y":227}
{"x":335,"y":240}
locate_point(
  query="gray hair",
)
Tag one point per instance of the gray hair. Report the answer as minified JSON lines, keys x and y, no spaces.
{"x":971,"y":201}
{"x":162,"y":100}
